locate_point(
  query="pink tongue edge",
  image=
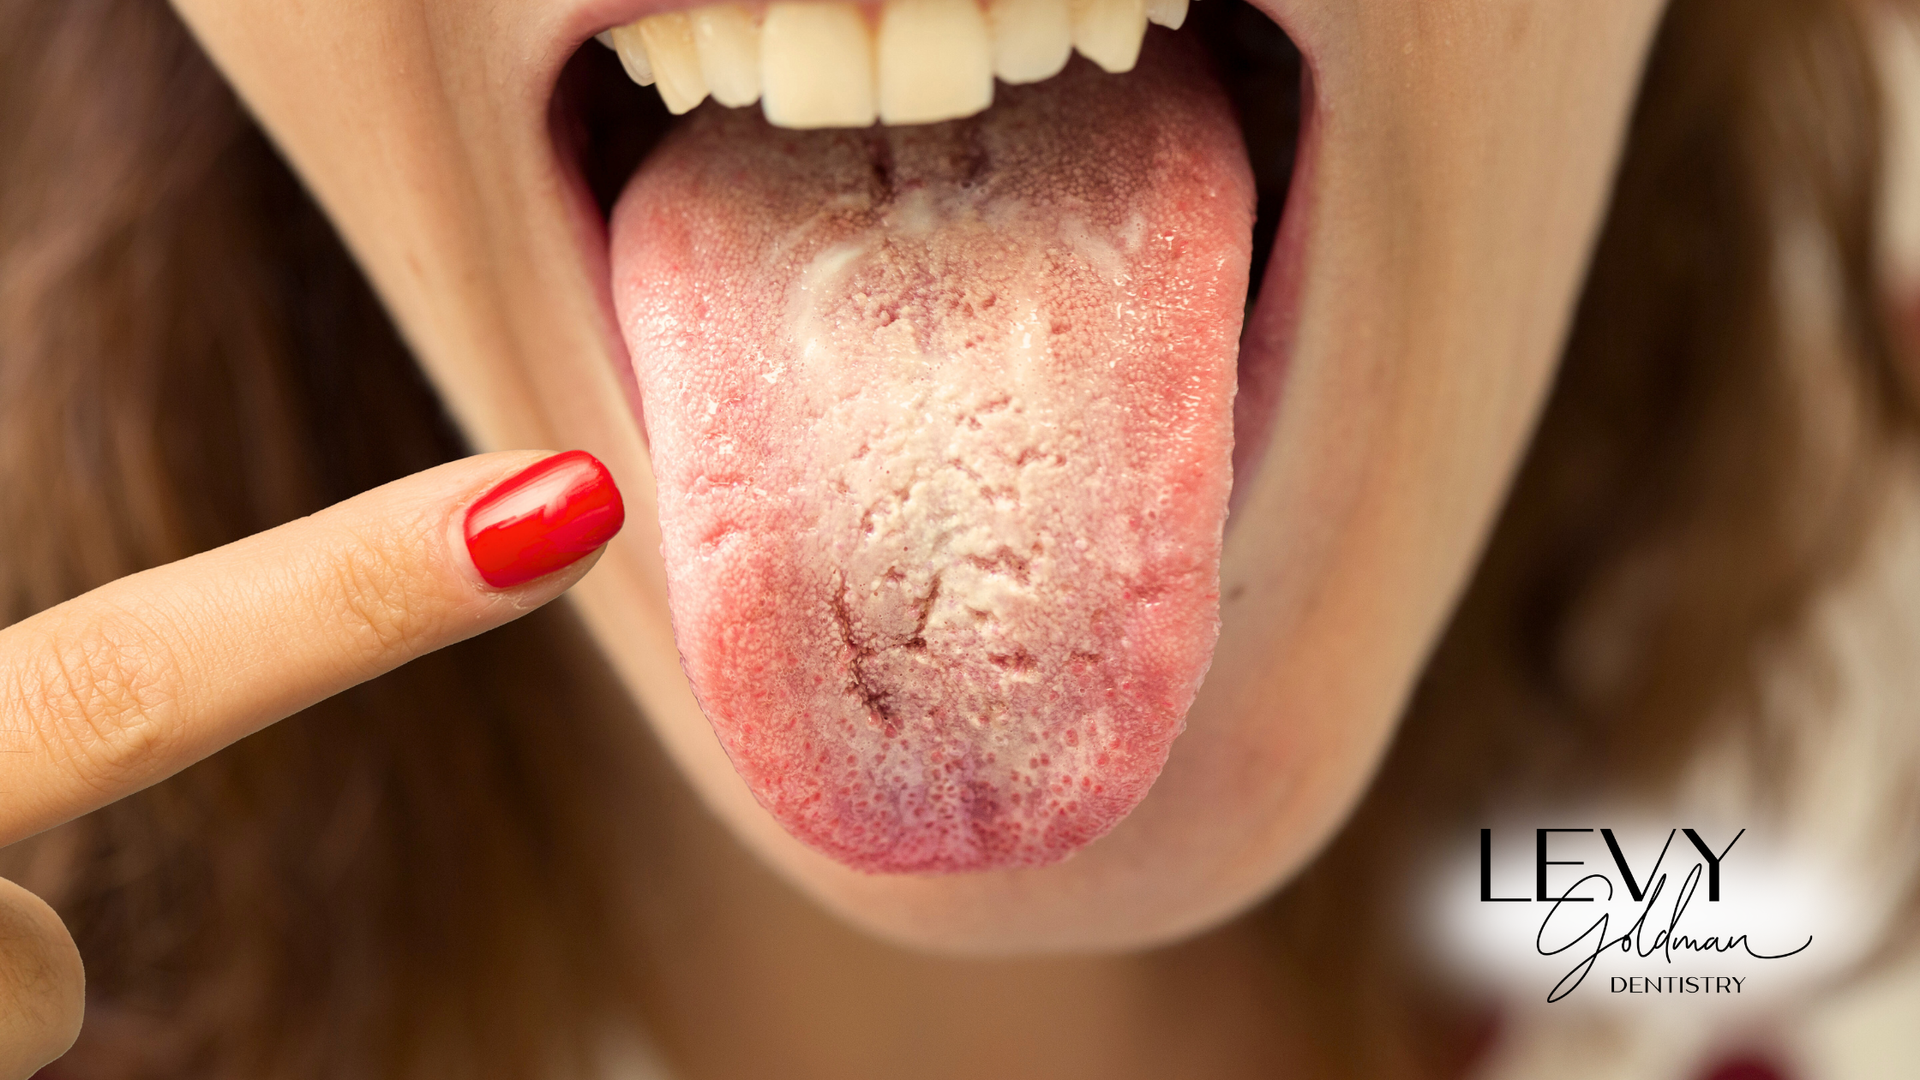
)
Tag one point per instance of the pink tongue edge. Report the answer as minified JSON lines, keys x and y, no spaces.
{"x":840,"y":671}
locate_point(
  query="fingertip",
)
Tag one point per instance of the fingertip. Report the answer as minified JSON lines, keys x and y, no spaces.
{"x":542,"y":519}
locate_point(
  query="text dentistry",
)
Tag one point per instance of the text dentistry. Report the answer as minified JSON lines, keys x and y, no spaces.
{"x":1676,"y":984}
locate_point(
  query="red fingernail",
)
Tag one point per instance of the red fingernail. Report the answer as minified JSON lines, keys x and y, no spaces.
{"x":546,"y":516}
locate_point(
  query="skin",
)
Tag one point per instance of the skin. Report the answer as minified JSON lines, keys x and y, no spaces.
{"x":128,"y":684}
{"x":1462,"y":152}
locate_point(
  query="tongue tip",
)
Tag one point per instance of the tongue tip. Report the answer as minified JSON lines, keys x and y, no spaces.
{"x":932,"y":795}
{"x":958,"y":826}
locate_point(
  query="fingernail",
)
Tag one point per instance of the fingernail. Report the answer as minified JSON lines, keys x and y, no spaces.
{"x":547,"y":516}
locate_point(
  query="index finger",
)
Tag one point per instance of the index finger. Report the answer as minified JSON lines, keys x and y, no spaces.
{"x":126,"y":685}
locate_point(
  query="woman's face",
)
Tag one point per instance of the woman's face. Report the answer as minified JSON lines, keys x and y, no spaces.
{"x":1455,"y":164}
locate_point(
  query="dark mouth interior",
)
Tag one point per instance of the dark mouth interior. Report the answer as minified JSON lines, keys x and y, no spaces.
{"x":607,"y":124}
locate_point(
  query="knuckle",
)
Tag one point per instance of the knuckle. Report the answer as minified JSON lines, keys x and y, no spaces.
{"x":41,"y":978}
{"x":97,"y":695}
{"x":375,"y":598}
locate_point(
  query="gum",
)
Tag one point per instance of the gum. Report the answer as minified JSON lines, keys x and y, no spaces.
{"x":941,"y":419}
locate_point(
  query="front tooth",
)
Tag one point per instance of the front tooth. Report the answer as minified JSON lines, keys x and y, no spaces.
{"x":728,"y":39}
{"x":676,"y":63}
{"x":633,"y":54}
{"x":935,"y":61}
{"x":816,"y":66}
{"x":1031,"y":39}
{"x":1168,"y":13}
{"x":1108,"y":32}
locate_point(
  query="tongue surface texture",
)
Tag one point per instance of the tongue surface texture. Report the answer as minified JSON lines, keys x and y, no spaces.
{"x":941,"y":419}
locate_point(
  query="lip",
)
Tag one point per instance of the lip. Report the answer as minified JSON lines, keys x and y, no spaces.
{"x":1267,"y":338}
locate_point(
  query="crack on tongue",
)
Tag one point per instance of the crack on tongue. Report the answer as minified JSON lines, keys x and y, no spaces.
{"x":868,"y":682}
{"x":941,"y":420}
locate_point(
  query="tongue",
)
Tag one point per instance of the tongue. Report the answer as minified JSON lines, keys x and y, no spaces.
{"x":941,"y":419}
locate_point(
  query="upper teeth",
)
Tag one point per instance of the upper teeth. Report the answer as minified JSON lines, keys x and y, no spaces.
{"x":828,"y":65}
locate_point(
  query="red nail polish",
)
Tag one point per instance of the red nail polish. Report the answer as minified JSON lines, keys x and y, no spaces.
{"x":546,"y":516}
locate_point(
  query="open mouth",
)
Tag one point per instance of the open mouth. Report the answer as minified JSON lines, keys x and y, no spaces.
{"x":946,"y":412}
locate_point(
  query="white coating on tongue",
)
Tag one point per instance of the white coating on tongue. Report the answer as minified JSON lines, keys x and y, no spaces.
{"x":941,"y":420}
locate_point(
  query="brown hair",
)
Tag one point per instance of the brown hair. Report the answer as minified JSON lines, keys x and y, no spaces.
{"x":410,"y":878}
